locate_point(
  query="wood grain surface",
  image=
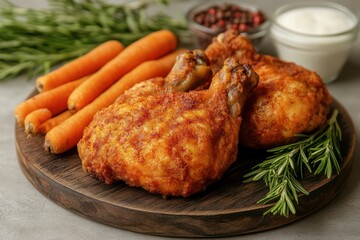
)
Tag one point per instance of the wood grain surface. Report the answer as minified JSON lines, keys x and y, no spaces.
{"x":228,"y":207}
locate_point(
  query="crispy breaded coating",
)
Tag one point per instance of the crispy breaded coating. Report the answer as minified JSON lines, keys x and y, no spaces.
{"x":289,"y":99}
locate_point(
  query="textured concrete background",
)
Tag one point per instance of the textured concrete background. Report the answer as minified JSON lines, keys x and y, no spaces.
{"x":26,"y":214}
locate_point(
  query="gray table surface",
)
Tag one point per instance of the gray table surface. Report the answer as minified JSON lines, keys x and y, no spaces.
{"x":26,"y":214}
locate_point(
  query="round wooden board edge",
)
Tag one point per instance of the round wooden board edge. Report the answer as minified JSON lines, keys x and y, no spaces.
{"x":184,"y":226}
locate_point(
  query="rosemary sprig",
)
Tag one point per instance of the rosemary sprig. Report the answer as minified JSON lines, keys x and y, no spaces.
{"x":284,"y":168}
{"x":35,"y":40}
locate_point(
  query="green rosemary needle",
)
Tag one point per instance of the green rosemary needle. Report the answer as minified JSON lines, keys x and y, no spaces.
{"x":283,"y":169}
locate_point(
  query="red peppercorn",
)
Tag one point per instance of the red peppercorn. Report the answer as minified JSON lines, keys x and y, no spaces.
{"x":238,"y":14}
{"x":243,"y":27}
{"x":258,"y":18}
{"x":221,"y":23}
{"x":219,"y":14}
{"x":235,"y":26}
{"x":213,"y":26}
{"x":212,"y":11}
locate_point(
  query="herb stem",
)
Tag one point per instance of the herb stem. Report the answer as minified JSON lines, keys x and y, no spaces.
{"x":283,"y":169}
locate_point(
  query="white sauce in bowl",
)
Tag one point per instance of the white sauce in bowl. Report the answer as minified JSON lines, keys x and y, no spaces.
{"x":315,"y":21}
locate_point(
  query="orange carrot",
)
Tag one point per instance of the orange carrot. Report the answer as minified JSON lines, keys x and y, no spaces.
{"x":148,"y":48}
{"x":53,"y":122}
{"x":80,"y":67}
{"x":55,"y":100}
{"x":34,"y":119}
{"x":67,"y":135}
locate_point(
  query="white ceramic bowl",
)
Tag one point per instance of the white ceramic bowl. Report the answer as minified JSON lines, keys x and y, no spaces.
{"x":323,"y":53}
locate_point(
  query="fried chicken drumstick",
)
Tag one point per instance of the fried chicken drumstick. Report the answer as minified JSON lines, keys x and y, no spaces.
{"x":288,"y":100}
{"x":191,"y":70}
{"x":176,"y":143}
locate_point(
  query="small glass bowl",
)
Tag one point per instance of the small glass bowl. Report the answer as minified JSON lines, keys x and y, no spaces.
{"x":204,"y":35}
{"x":325,"y":54}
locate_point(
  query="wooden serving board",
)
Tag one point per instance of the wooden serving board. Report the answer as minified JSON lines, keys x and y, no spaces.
{"x":228,"y":207}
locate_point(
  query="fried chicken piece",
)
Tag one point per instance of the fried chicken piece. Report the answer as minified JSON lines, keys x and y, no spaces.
{"x":173,"y":144}
{"x":289,"y":99}
{"x":190,"y":70}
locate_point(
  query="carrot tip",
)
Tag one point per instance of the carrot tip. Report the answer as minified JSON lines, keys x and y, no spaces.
{"x":71,"y":107}
{"x":19,"y":120}
{"x":40,"y":87}
{"x":28,"y":136}
{"x":47,"y":146}
{"x":29,"y":128}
